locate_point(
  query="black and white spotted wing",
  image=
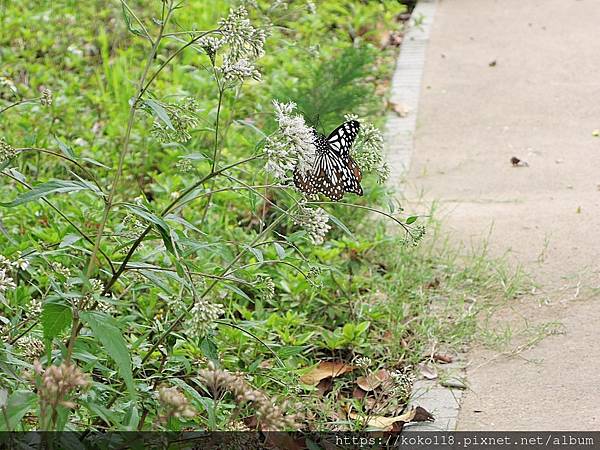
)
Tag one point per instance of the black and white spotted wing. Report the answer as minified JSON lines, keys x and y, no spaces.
{"x":334,"y":172}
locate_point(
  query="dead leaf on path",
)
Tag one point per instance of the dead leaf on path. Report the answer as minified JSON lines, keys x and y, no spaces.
{"x":428,"y":372}
{"x":492,"y":63}
{"x":516,"y":162}
{"x":399,"y":109}
{"x":422,"y":415}
{"x":358,"y":393}
{"x":444,"y":359}
{"x":325,"y":369}
{"x":324,"y":386}
{"x":384,"y":423}
{"x":373,"y":380}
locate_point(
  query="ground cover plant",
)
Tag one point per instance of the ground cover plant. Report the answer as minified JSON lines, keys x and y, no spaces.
{"x":158,"y":268}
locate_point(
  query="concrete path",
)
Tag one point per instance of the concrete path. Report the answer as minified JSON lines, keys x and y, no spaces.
{"x":519,"y":78}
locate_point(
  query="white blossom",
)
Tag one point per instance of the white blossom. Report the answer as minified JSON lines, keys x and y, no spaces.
{"x":292,"y":146}
{"x":315,"y":221}
{"x":6,"y":282}
{"x":368,"y":150}
{"x":239,"y":70}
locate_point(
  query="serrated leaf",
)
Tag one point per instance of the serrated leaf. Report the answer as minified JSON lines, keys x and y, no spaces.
{"x":55,"y":318}
{"x":160,"y":112}
{"x":108,"y":333}
{"x":43,"y":190}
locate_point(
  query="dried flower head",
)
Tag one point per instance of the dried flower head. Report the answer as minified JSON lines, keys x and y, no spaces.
{"x":314,"y":221}
{"x":7,"y":151}
{"x":175,"y":403}
{"x":46,"y":98}
{"x":270,"y":416}
{"x":57,"y":384}
{"x":292,"y":146}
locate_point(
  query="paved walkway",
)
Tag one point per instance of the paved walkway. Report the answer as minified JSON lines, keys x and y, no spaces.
{"x":519,"y":78}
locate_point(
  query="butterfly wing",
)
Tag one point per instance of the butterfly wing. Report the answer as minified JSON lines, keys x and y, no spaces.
{"x":342,"y":138}
{"x":334,"y":172}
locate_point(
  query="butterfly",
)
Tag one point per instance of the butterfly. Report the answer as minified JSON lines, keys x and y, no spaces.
{"x":334,"y":172}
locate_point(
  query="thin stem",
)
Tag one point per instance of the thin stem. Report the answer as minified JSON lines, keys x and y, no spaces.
{"x":76,"y":326}
{"x":20,"y":102}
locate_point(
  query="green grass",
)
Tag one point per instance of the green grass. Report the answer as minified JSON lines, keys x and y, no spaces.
{"x":364,"y":292}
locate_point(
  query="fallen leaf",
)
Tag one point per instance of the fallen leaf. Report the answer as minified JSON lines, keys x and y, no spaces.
{"x":445,"y":359}
{"x":422,"y":415}
{"x":385,"y":423}
{"x":596,"y":133}
{"x":401,"y":110}
{"x":373,"y":380}
{"x":324,"y":386}
{"x":358,"y":393}
{"x":428,"y":372}
{"x":325,"y":369}
{"x":492,"y":63}
{"x":516,"y":162}
{"x":454,"y":383}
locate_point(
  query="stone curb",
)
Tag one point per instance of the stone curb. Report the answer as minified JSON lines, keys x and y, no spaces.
{"x":440,"y":401}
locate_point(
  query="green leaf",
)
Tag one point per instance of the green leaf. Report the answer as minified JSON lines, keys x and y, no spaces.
{"x":18,"y":404}
{"x":256,"y":252}
{"x":160,"y":112}
{"x":161,"y":225}
{"x":411,"y":219}
{"x":280,"y":250}
{"x":209,"y":349}
{"x":43,"y":190}
{"x":341,"y":225}
{"x":107,"y":331}
{"x":67,"y":151}
{"x":69,"y":240}
{"x":55,"y":318}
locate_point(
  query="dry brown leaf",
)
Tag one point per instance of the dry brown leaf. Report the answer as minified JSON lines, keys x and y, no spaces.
{"x":373,"y":380}
{"x":358,"y":393}
{"x":445,"y":359}
{"x":428,"y":372}
{"x":422,"y":415}
{"x":324,"y":386}
{"x":325,"y":369}
{"x":401,"y":110}
{"x":385,"y":423}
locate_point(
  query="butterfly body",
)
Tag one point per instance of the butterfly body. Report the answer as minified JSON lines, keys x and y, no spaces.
{"x":334,"y":171}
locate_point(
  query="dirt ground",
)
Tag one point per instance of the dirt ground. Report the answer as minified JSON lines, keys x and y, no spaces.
{"x":516,"y":78}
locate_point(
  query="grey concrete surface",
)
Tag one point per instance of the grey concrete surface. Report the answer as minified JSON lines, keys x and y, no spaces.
{"x":508,"y":78}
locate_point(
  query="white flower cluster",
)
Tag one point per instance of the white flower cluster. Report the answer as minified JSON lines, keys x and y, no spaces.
{"x":242,"y":38}
{"x":244,"y":42}
{"x":292,"y":146}
{"x":202,"y":317}
{"x":368,"y":150}
{"x":314,"y":221}
{"x":239,"y":70}
{"x":6,"y":267}
{"x":7,"y":151}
